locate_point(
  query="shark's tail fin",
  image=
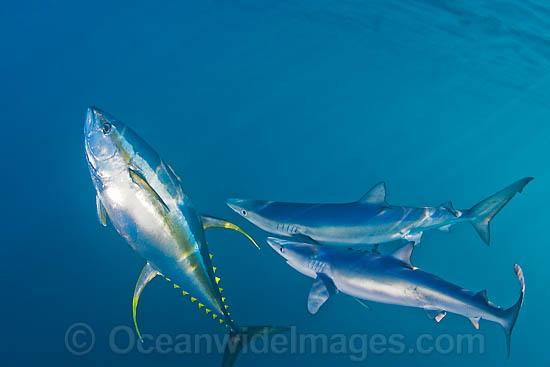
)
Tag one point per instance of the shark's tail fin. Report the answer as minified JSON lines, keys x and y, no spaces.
{"x":243,"y":336}
{"x":482,"y":213}
{"x":511,"y":314}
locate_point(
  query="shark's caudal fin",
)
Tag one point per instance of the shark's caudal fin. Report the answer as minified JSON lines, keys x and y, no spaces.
{"x":511,"y":314}
{"x":482,"y":213}
{"x":243,"y":336}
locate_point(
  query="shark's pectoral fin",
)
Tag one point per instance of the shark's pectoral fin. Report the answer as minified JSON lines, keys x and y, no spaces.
{"x":101,"y":212}
{"x":436,"y":315}
{"x":147,"y":274}
{"x":376,"y":195}
{"x":413,"y":237}
{"x":212,"y":222}
{"x":320,"y":291}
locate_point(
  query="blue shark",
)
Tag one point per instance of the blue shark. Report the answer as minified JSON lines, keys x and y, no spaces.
{"x":370,"y":220}
{"x":143,"y":198}
{"x":391,"y":279}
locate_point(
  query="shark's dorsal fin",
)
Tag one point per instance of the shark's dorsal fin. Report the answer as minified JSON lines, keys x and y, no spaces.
{"x":320,"y":291}
{"x":449,"y":206}
{"x":147,"y":274}
{"x":482,"y":295}
{"x":376,"y":195}
{"x":404,"y":253}
{"x":212,"y":222}
{"x":101,"y":212}
{"x":139,"y":180}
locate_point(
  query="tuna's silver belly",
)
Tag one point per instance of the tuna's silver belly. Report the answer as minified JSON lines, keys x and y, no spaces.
{"x":156,"y":237}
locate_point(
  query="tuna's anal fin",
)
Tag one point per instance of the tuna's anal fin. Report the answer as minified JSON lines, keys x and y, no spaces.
{"x":147,"y":274}
{"x":212,"y":222}
{"x":101,"y":212}
{"x":320,"y":291}
{"x":376,"y":195}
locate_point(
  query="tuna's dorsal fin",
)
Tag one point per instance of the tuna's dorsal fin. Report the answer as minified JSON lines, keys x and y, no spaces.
{"x":482,"y":295}
{"x":147,"y":274}
{"x":212,"y":222}
{"x":436,"y":315}
{"x":139,"y":180}
{"x":449,"y":206}
{"x":404,"y":253}
{"x":320,"y":291}
{"x":376,"y":195}
{"x":101,"y":212}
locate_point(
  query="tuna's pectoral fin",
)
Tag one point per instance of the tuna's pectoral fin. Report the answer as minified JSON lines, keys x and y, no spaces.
{"x":320,"y":291}
{"x":147,"y":274}
{"x":101,"y":212}
{"x":436,"y":315}
{"x":376,"y":195}
{"x":141,"y":181}
{"x":212,"y":222}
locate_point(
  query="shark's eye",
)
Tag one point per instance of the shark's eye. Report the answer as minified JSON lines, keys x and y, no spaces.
{"x":244,"y":213}
{"x":282,"y":250}
{"x":107,"y":128}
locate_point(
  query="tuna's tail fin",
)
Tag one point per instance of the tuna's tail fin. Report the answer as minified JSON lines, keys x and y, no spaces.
{"x":243,"y":336}
{"x":482,"y":213}
{"x":511,"y":314}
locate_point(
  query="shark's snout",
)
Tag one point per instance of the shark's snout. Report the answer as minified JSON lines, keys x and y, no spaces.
{"x":275,"y":243}
{"x":238,"y":205}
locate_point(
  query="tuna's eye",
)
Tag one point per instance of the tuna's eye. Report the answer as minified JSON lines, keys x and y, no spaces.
{"x":244,"y":213}
{"x":282,"y":250}
{"x":107,"y":128}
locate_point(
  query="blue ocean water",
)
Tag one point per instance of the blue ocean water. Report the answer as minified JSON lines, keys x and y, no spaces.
{"x":311,"y":101}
